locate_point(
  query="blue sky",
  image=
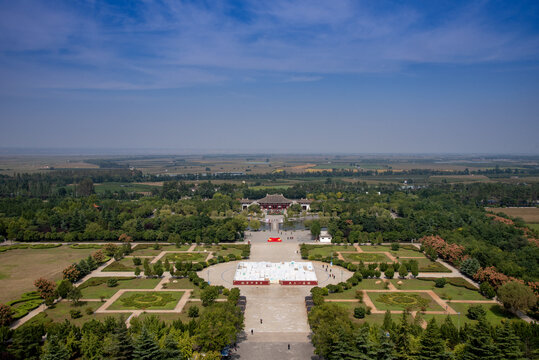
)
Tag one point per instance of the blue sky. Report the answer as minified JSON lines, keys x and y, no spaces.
{"x":271,"y":76}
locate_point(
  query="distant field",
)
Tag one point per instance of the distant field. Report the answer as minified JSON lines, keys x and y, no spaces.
{"x":458,"y":178}
{"x":117,"y":187}
{"x":529,"y":214}
{"x":19,"y":268}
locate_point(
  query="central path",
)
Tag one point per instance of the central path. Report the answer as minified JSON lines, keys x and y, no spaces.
{"x":281,"y":308}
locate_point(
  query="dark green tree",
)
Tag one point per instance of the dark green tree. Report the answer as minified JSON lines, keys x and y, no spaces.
{"x":54,"y":349}
{"x":480,"y":345}
{"x":364,"y":348}
{"x":449,"y":332}
{"x":146,"y":348}
{"x":385,"y":350}
{"x":402,"y":339}
{"x":119,"y":346}
{"x":508,"y":343}
{"x":432,"y":345}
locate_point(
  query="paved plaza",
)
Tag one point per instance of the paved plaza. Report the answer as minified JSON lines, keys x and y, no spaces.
{"x":281,"y":308}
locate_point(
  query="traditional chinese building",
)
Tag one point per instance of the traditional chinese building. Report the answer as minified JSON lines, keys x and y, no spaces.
{"x":275,"y":203}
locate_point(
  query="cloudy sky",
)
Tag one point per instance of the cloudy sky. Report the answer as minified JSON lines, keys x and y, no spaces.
{"x":271,"y":76}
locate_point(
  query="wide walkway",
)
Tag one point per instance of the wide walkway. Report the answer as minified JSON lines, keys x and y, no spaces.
{"x":281,"y":308}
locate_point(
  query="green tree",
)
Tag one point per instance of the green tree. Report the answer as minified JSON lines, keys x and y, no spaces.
{"x":487,"y":290}
{"x":315,"y":229}
{"x":432,"y":345}
{"x":390,"y":272}
{"x":508,"y":343}
{"x":147,"y":269}
{"x":388,"y":322}
{"x":64,"y":288}
{"x":365,"y":349}
{"x":385,"y":349}
{"x":209,"y":295}
{"x":469,"y":267}
{"x":118,"y":346}
{"x":403,"y":271}
{"x":75,"y":295}
{"x":254,"y":224}
{"x":54,"y":349}
{"x":91,"y":346}
{"x":169,"y":346}
{"x":158,"y":268}
{"x":146,"y":348}
{"x":516,"y":296}
{"x":402,"y":339}
{"x":449,"y":332}
{"x":218,"y":326}
{"x":480,"y":345}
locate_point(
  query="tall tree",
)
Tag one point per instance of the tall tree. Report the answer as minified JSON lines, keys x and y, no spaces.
{"x":146,"y":348}
{"x":508,"y":343}
{"x":402,"y":339}
{"x":432,"y":345}
{"x":480,"y":345}
{"x":54,"y":349}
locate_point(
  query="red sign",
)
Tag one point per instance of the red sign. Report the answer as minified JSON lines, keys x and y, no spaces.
{"x":274,"y":239}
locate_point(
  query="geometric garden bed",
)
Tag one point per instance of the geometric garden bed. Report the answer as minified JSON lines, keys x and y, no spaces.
{"x":404,"y":300}
{"x":147,"y":300}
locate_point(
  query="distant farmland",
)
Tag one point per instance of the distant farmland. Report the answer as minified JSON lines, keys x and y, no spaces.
{"x":529,"y":214}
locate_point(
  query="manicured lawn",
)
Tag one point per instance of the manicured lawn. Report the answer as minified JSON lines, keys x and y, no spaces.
{"x":458,"y":293}
{"x":20,"y":267}
{"x":365,"y":257}
{"x":385,"y":248}
{"x":101,"y":289}
{"x":148,"y":250}
{"x":455,"y":318}
{"x":222,"y":250}
{"x":426,"y":265}
{"x":61,"y":311}
{"x":495,"y":312}
{"x":350,"y":306}
{"x":401,"y":301}
{"x":366,"y":284}
{"x":125,"y":264}
{"x":194,"y":257}
{"x":412,"y":284}
{"x":184,"y":283}
{"x":150,"y":300}
{"x":327,"y":250}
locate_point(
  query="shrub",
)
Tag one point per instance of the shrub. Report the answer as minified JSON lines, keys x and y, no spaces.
{"x":75,"y":314}
{"x":359,"y":295}
{"x":137,"y":261}
{"x":487,"y":290}
{"x":395,"y":246}
{"x":112,"y":282}
{"x":193,"y":311}
{"x":440,"y":283}
{"x":89,"y":311}
{"x":359,"y":312}
{"x":389,"y":273}
{"x":475,"y":312}
{"x":469,"y":267}
{"x":383,"y":267}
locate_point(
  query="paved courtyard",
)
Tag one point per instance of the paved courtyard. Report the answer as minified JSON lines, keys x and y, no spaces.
{"x":281,"y":308}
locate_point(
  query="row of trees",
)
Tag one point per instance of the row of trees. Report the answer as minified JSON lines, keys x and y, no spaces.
{"x":336,"y":337}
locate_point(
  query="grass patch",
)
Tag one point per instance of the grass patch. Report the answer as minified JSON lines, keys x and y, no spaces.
{"x":147,"y":300}
{"x":21,"y":267}
{"x":455,"y":281}
{"x":426,"y":265}
{"x":193,"y":257}
{"x":85,"y":246}
{"x":148,"y":249}
{"x":350,"y":306}
{"x":326,"y":250}
{"x":184,"y":283}
{"x":61,"y":312}
{"x":167,"y":318}
{"x":96,"y":287}
{"x":495,"y":313}
{"x":412,"y":284}
{"x":533,"y":226}
{"x":224,"y":250}
{"x":366,"y":284}
{"x":451,"y":292}
{"x":404,"y":300}
{"x":365,"y":257}
{"x":125,"y":264}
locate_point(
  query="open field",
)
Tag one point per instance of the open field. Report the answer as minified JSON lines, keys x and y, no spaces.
{"x":495,"y":312}
{"x":19,"y":268}
{"x":528,"y":214}
{"x":328,"y":250}
{"x":366,"y":284}
{"x":194,"y":257}
{"x":402,"y":252}
{"x":426,"y":265}
{"x":372,"y":319}
{"x":222,"y":250}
